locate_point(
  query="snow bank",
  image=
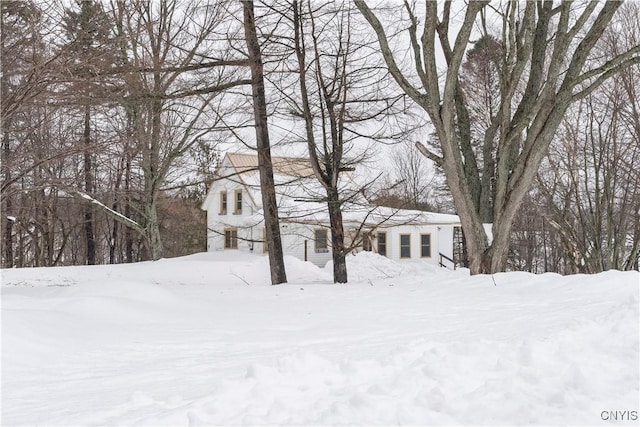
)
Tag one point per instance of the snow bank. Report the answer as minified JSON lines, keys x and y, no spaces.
{"x":224,"y":268}
{"x":203,"y":340}
{"x":368,"y":266}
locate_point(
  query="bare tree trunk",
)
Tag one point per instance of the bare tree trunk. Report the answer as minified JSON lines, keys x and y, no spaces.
{"x":5,"y":199}
{"x":7,"y":236}
{"x":7,"y":204}
{"x":88,"y":188}
{"x":152,"y":229}
{"x":128,"y":233}
{"x":113,"y":239}
{"x":337,"y":237}
{"x":631,"y":262}
{"x":265,"y":166}
{"x":152,"y":176}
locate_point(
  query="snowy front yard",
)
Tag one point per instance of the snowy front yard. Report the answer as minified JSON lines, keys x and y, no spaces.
{"x":204,"y":340}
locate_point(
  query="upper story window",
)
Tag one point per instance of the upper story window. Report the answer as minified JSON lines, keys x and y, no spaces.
{"x":237,"y":208}
{"x":405,"y":246}
{"x":223,"y":202}
{"x":320,"y":240}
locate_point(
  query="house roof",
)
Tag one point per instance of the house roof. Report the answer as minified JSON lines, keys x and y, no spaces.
{"x":288,"y":166}
{"x":361,"y":213}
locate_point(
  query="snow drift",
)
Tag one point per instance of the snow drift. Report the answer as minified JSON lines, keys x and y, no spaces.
{"x":204,"y":340}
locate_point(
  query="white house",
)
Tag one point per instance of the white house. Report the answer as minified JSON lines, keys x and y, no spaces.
{"x":235,"y":221}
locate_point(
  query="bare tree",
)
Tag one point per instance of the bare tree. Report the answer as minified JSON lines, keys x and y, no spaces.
{"x":590,"y":182}
{"x":342,"y":90}
{"x":545,"y":49}
{"x":265,"y":166}
{"x":415,"y":181}
{"x":91,"y":50}
{"x":26,"y":76}
{"x":144,"y":107}
{"x":176,"y":68}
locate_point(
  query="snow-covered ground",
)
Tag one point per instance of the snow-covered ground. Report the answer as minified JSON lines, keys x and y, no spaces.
{"x":204,"y":340}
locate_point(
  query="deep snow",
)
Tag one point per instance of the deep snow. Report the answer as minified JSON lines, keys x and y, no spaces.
{"x":204,"y":340}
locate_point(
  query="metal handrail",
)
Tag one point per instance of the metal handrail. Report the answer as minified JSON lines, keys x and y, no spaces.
{"x":443,"y":256}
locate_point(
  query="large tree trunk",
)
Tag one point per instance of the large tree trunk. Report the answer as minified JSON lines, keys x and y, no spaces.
{"x":151,"y":234}
{"x":265,"y":166}
{"x":337,"y":237}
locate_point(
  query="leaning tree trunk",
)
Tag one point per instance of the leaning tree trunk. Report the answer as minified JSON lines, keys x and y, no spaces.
{"x":265,"y":166}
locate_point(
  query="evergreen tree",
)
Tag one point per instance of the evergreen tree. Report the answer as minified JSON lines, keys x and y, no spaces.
{"x":91,"y":50}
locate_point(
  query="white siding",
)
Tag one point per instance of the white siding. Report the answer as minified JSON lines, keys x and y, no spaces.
{"x":217,"y":221}
{"x":445,"y":239}
{"x":293,"y":242}
{"x":441,"y":241}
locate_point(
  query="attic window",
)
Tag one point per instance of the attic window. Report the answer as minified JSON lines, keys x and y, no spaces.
{"x":238,"y":202}
{"x":223,"y":202}
{"x":320,"y":240}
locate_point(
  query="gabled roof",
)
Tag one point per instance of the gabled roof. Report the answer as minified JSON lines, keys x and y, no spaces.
{"x":288,"y":166}
{"x":287,"y":171}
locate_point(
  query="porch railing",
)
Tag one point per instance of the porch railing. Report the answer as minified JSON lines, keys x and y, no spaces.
{"x":443,"y":257}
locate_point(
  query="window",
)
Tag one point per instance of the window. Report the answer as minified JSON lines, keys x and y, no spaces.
{"x":321,"y":240}
{"x":366,"y":241}
{"x":231,"y":238}
{"x":223,"y":203}
{"x":238,"y":202}
{"x":382,"y":244}
{"x":425,"y":245}
{"x":405,"y":246}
